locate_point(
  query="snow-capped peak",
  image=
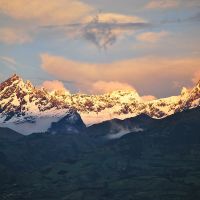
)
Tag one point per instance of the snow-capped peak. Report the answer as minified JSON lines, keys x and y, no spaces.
{"x":21,"y":102}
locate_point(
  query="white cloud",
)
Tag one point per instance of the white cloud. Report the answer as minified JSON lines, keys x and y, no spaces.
{"x":104,"y":29}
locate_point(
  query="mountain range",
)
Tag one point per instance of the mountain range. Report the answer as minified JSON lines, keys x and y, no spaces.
{"x":138,"y":150}
{"x":28,"y":109}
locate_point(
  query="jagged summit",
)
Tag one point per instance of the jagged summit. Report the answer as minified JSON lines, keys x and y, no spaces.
{"x":9,"y":81}
{"x":15,"y":77}
{"x":21,"y":102}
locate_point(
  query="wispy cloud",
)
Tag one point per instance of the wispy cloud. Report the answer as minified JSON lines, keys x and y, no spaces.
{"x":10,"y":62}
{"x":104,"y":29}
{"x":13,"y":36}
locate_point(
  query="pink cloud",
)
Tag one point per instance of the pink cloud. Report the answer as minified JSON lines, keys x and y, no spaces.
{"x":53,"y":85}
{"x":146,"y":74}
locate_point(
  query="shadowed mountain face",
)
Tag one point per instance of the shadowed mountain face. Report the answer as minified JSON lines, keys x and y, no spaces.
{"x":71,"y":123}
{"x":161,"y":161}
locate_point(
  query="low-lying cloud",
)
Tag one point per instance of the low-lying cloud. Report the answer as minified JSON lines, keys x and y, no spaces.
{"x":124,"y":132}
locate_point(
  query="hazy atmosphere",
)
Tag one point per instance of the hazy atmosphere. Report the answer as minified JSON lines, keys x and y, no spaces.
{"x":99,"y":99}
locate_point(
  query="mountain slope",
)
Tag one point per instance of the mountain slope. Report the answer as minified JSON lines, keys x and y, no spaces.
{"x":160,"y":163}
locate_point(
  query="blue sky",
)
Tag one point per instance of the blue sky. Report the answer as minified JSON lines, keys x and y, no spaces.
{"x":152,"y":46}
